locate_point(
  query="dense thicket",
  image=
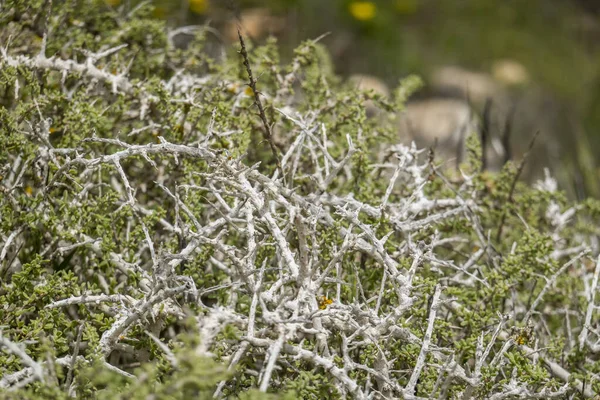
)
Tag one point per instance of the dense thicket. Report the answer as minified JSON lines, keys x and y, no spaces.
{"x":164,"y":236}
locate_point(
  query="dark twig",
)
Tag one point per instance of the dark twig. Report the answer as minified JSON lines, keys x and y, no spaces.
{"x":514,"y":184}
{"x":261,"y":110}
{"x":431,"y":152}
{"x":506,"y":134}
{"x":485,"y":132}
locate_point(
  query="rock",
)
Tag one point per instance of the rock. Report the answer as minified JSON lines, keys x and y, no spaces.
{"x":256,"y":23}
{"x":477,"y":87}
{"x":448,"y":122}
{"x":510,"y":72}
{"x":368,"y":82}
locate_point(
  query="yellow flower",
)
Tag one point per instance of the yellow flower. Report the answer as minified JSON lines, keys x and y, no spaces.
{"x":113,"y":3}
{"x":248,"y":91}
{"x":28,"y":190}
{"x":363,"y":10}
{"x":324,"y":302}
{"x":198,"y":6}
{"x":523,"y":336}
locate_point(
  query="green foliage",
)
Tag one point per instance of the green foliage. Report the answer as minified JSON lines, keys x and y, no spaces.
{"x":195,"y":378}
{"x":144,"y":225}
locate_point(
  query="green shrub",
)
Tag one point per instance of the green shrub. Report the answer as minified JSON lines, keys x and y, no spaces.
{"x":162,"y":239}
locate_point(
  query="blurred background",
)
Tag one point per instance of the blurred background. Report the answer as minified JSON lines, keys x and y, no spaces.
{"x":518,"y":66}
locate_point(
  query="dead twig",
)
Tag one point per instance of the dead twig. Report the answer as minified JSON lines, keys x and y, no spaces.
{"x":261,"y":111}
{"x":507,"y":134}
{"x":514,"y":184}
{"x":485,"y":132}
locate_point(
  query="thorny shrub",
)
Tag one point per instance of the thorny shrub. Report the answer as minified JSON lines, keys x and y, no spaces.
{"x":162,"y":237}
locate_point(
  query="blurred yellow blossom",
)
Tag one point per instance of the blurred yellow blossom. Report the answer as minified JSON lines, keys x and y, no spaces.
{"x":28,"y":190}
{"x":363,"y":10}
{"x":248,"y":91}
{"x":113,"y":3}
{"x":199,"y":6}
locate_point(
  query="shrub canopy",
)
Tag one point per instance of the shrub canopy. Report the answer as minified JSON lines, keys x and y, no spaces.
{"x":161,"y":234}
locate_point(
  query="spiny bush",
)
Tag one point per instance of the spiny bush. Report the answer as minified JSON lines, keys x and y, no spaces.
{"x":172,"y":228}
